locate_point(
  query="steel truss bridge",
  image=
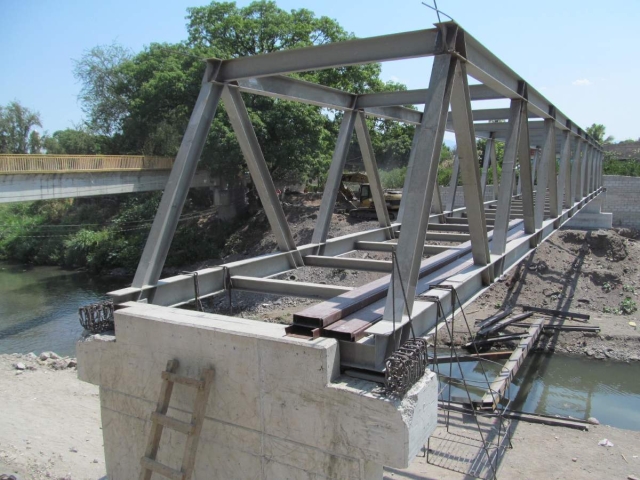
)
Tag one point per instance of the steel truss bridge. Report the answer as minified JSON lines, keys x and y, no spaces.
{"x":490,"y":237}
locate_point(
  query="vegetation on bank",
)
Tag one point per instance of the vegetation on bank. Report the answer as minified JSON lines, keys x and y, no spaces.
{"x":104,"y":234}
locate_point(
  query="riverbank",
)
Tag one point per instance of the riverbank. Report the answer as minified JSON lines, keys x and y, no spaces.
{"x":592,"y":273}
{"x":50,"y":426}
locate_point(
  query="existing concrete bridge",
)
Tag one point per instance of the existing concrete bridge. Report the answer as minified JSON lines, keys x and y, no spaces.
{"x":46,"y":177}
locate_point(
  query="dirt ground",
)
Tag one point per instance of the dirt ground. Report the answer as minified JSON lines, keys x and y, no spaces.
{"x":50,"y":424}
{"x":553,"y":456}
{"x":595,"y":273}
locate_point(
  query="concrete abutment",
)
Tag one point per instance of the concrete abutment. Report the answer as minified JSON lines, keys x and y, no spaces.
{"x":278,"y":408}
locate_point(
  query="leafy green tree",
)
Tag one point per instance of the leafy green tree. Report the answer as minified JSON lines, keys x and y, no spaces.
{"x":16,"y":126}
{"x":145,"y":100}
{"x":598,"y":131}
{"x":76,"y":141}
{"x":101,"y":95}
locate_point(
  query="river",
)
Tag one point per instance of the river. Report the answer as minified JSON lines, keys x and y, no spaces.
{"x":39,"y":306}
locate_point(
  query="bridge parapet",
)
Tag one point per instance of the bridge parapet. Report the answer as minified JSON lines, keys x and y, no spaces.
{"x":12,"y":164}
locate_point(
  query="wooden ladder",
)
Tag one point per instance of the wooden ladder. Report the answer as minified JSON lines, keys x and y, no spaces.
{"x":159,"y":420}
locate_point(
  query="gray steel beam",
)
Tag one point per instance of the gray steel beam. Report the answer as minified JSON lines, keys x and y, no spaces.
{"x":494,"y":171}
{"x":417,"y":96}
{"x":501,"y":225}
{"x":485,"y":163}
{"x":436,"y":202}
{"x":287,"y":288}
{"x":453,"y":184}
{"x":334,"y":178}
{"x":547,"y":162}
{"x":391,"y":246}
{"x":485,"y":67}
{"x":420,"y":183}
{"x":420,"y":43}
{"x":576,"y":192}
{"x":468,"y":155}
{"x":362,"y":264}
{"x":241,"y":123}
{"x":371,"y":167}
{"x":175,"y":193}
{"x":526,"y":176}
{"x":287,"y":88}
{"x":564,"y":180}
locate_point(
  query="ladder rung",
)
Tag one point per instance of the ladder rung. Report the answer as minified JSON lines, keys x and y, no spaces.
{"x":191,"y":382}
{"x":172,"y":423}
{"x":161,"y":469}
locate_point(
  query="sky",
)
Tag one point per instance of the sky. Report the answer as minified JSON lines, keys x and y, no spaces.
{"x":580,"y":54}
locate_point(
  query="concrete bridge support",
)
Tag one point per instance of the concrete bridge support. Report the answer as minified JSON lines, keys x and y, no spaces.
{"x":278,"y":407}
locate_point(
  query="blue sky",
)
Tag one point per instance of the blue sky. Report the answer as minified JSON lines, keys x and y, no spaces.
{"x":582,"y":55}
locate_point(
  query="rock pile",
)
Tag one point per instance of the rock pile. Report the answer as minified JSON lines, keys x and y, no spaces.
{"x":52,"y":360}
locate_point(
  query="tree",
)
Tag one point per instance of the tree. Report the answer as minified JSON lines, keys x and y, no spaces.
{"x":102,"y":95}
{"x":597,"y":131}
{"x":144,"y":100}
{"x":78,"y":141}
{"x":16,"y":125}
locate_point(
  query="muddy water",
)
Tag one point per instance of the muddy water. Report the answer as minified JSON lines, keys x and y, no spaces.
{"x":579,"y":387}
{"x":39,"y":307}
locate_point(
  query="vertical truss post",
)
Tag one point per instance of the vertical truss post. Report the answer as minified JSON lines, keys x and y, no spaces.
{"x":334,"y":177}
{"x":494,"y":170}
{"x":575,"y":172}
{"x":486,"y":159}
{"x":585,"y":170}
{"x":546,"y":165}
{"x":601,"y":176}
{"x":594,"y":170}
{"x":564,"y":181}
{"x":501,"y":225}
{"x":536,"y":157}
{"x":526,"y":174}
{"x":419,"y":186}
{"x":436,"y":202}
{"x":581,"y":172}
{"x":371,"y":167}
{"x":241,"y":123}
{"x":175,"y":193}
{"x":468,"y":157}
{"x":453,"y":183}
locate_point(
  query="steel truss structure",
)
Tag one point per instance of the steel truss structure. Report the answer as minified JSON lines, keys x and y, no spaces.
{"x":492,"y":236}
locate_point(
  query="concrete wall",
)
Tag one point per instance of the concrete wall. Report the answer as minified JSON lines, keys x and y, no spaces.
{"x":623,"y":200}
{"x":278,"y":409}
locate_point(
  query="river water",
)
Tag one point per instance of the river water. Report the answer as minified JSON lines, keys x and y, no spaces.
{"x":553,"y":384}
{"x":39,"y":307}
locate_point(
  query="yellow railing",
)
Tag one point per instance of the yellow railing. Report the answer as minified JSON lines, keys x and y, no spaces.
{"x":10,"y":163}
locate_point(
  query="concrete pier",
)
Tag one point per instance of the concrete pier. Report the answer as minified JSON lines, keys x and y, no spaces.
{"x":279,"y":407}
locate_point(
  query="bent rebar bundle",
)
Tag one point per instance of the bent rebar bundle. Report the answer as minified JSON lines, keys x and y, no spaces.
{"x":97,"y":317}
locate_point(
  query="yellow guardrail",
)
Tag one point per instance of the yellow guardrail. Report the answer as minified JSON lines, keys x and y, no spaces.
{"x":10,"y":163}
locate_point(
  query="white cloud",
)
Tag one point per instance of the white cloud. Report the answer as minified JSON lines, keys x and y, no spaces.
{"x":583,"y":82}
{"x":395,"y":79}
